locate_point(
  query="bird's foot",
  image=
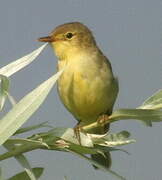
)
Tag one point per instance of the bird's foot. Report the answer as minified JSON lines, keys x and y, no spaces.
{"x":103,"y":119}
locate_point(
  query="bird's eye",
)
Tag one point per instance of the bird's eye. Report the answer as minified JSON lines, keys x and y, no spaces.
{"x":69,"y":35}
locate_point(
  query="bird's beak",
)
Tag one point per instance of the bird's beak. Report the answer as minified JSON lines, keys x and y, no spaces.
{"x":46,"y":39}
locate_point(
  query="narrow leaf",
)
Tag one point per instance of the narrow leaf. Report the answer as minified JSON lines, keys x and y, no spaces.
{"x":68,"y":135}
{"x":24,"y":142}
{"x":30,"y":128}
{"x":23,"y":146}
{"x":112,"y":140}
{"x":22,"y":161}
{"x":22,"y":111}
{"x":153,"y":102}
{"x":138,"y":114}
{"x":23,"y":176}
{"x":11,"y":99}
{"x":4,"y":88}
{"x":15,"y":66}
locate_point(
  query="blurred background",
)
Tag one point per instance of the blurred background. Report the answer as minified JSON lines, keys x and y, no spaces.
{"x":130,"y":34}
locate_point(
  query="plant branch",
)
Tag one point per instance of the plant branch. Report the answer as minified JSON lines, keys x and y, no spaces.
{"x":145,"y":115}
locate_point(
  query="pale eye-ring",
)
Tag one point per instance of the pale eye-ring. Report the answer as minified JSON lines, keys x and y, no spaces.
{"x":69,"y":35}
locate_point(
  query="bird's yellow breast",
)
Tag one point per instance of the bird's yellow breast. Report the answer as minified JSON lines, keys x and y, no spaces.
{"x":85,"y":89}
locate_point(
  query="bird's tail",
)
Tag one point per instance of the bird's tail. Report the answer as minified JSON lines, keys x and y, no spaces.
{"x":103,"y":159}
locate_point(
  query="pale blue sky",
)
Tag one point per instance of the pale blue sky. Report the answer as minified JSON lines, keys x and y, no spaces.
{"x":130,"y":33}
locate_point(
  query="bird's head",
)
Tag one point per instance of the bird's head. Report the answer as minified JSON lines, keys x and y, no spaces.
{"x":69,"y":38}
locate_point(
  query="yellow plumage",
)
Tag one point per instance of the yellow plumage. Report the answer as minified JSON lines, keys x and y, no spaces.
{"x":87,"y":87}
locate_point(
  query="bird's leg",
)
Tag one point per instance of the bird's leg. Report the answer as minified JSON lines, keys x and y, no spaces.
{"x":77,"y":130}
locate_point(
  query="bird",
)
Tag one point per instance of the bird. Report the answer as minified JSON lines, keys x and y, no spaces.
{"x":87,"y":87}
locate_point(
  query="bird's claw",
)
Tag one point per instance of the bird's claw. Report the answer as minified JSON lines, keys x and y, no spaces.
{"x":102,"y":119}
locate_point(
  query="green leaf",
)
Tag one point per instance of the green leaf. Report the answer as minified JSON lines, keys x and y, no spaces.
{"x":153,"y":102}
{"x":118,"y":136}
{"x":22,"y":142}
{"x":112,"y":140}
{"x":30,"y":128}
{"x":22,"y":111}
{"x":22,"y":161}
{"x":43,"y":141}
{"x":52,"y":140}
{"x":38,"y":171}
{"x":11,"y":99}
{"x":21,"y":146}
{"x":144,"y":115}
{"x":4,"y":88}
{"x":62,"y":138}
{"x":67,"y":134}
{"x":17,"y":65}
